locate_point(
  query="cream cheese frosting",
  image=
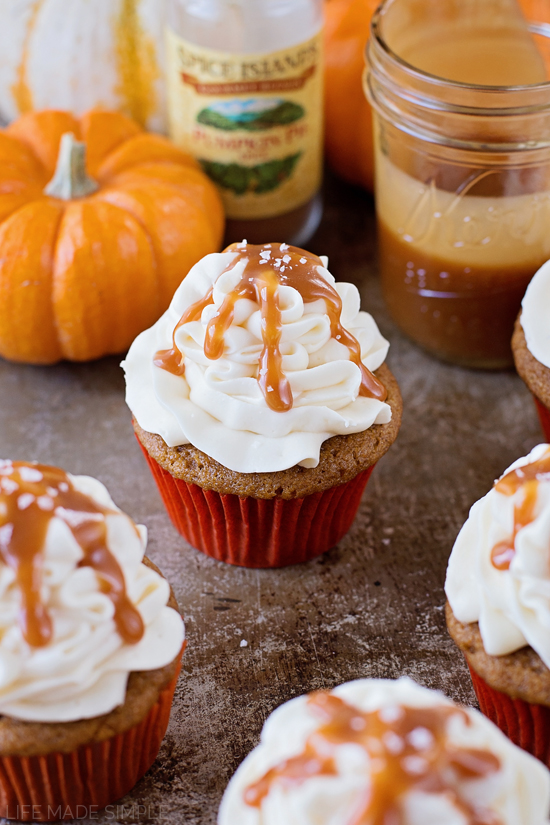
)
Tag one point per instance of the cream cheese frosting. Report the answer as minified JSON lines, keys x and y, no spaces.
{"x":512,"y":789}
{"x":499,"y":568}
{"x":217,"y":405}
{"x":535,"y":315}
{"x":83,"y":669}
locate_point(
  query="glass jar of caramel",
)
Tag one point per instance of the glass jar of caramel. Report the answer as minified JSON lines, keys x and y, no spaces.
{"x":462,"y":157}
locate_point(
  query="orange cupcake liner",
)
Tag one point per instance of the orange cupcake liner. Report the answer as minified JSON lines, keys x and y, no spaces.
{"x":252,"y":532}
{"x":77,"y":785}
{"x":526,"y":724}
{"x":544,"y":415}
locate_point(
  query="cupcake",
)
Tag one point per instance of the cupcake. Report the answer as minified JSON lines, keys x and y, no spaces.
{"x":531,"y":343}
{"x":262,"y":403}
{"x":375,"y":752}
{"x":90,"y":647}
{"x":498,"y":591}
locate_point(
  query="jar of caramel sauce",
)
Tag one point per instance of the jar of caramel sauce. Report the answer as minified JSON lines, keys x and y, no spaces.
{"x":462,"y":156}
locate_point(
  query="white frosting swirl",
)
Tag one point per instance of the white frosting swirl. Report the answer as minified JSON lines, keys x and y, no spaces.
{"x":218,"y":406}
{"x":82,"y":672}
{"x":535,"y":315}
{"x":512,"y":606}
{"x":518,"y":793}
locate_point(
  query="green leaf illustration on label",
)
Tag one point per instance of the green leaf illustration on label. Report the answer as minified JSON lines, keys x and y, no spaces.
{"x":265,"y":177}
{"x":252,"y":114}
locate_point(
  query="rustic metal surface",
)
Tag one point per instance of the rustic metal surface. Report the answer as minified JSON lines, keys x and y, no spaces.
{"x":373,"y":606}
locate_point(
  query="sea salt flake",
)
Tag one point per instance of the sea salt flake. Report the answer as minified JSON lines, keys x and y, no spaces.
{"x":25,"y":500}
{"x":358,"y":723}
{"x":244,"y":643}
{"x":63,"y":486}
{"x":30,"y":474}
{"x":421,"y":739}
{"x":415,"y":765}
{"x":45,"y":503}
{"x":390,"y":714}
{"x":283,"y":247}
{"x":8,"y":485}
{"x":394,"y":743}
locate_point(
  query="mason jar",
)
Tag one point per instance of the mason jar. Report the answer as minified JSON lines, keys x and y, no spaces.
{"x":462,"y":168}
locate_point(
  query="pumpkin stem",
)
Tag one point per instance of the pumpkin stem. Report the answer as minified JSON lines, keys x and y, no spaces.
{"x":71,"y":179}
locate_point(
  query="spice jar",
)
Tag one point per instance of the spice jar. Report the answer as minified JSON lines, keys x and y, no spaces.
{"x":245,"y":86}
{"x":462,"y":167}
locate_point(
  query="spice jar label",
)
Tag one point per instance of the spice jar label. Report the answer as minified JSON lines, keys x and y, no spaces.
{"x":253,"y":121}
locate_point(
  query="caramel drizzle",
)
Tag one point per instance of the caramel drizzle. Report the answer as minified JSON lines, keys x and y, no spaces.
{"x":30,"y":496}
{"x":408,"y":750}
{"x":526,"y":479}
{"x":263,"y":273}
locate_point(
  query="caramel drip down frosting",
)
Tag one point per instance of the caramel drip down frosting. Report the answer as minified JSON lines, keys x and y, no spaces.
{"x":31,"y":495}
{"x":525,"y":478}
{"x":265,"y":269}
{"x":408,"y":750}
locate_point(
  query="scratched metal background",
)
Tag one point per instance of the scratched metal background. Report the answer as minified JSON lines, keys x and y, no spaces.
{"x":370,"y":607}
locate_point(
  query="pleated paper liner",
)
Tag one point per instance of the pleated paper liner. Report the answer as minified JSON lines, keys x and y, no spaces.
{"x":526,"y":724}
{"x":77,"y":785}
{"x":253,"y":532}
{"x":544,"y":415}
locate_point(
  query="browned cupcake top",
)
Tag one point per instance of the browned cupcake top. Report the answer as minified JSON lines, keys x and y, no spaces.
{"x":342,"y":458}
{"x":521,"y":675}
{"x":535,"y":374}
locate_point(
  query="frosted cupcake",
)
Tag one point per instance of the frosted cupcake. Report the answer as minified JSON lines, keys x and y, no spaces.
{"x":377,"y":751}
{"x":531,"y":343}
{"x":498,"y":591}
{"x":262,"y":404}
{"x":90,"y":647}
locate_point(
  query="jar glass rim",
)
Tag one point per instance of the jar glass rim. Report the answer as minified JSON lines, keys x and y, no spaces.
{"x":434,"y":80}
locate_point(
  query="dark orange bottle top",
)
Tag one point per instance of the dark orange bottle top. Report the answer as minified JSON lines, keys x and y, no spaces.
{"x":408,"y":750}
{"x":266,"y":268}
{"x":526,"y":478}
{"x":30,"y":496}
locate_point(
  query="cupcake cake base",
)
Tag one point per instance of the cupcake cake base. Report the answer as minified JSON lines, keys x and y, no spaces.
{"x":51,"y":771}
{"x":534,"y":374}
{"x":513,"y":691}
{"x":269,"y":519}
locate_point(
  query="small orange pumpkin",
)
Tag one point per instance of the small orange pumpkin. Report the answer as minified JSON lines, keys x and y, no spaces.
{"x":92,"y":248}
{"x":348,"y":115}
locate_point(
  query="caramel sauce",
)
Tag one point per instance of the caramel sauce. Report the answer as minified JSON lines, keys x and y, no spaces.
{"x":267,"y":267}
{"x":30,"y":496}
{"x":407,"y":748}
{"x":463,"y":314}
{"x":171,"y":359}
{"x":526,"y":479}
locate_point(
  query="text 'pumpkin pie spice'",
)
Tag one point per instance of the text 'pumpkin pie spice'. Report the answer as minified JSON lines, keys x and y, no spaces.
{"x":531,"y":343}
{"x":261,"y":402}
{"x":498,"y":591}
{"x":377,"y":751}
{"x":90,"y":646}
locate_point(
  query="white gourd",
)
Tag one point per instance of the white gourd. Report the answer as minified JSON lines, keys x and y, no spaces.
{"x":77,"y":54}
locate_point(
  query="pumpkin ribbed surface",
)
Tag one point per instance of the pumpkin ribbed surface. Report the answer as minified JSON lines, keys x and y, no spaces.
{"x":80,"y":277}
{"x":348,"y":115}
